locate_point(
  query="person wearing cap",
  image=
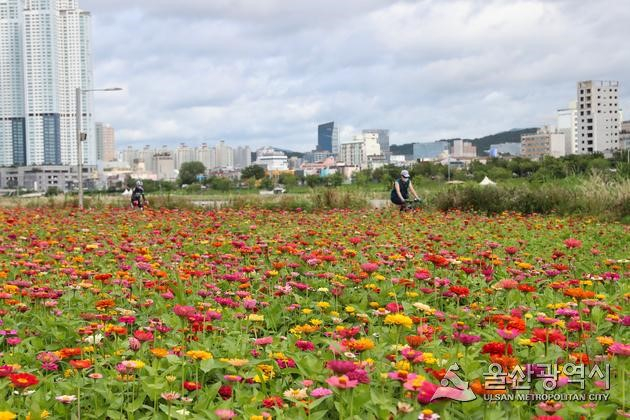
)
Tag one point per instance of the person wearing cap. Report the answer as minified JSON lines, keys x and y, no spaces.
{"x":402,"y":187}
{"x":137,"y":196}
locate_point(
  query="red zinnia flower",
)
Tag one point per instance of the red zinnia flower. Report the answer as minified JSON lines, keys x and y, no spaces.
{"x":548,"y":335}
{"x":143,"y":335}
{"x":495,"y":347}
{"x":225,"y":392}
{"x":192,"y":386}
{"x":23,"y":380}
{"x":460,"y":291}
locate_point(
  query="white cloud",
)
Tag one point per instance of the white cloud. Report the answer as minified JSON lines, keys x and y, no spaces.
{"x":267,"y":72}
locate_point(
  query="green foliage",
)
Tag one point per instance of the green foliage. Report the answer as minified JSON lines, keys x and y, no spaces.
{"x":188,"y":172}
{"x":608,"y":198}
{"x":52,"y":191}
{"x":253,"y":171}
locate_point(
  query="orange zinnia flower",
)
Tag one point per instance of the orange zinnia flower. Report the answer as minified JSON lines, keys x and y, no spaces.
{"x":81,"y":364}
{"x":579,"y":293}
{"x":69,"y":352}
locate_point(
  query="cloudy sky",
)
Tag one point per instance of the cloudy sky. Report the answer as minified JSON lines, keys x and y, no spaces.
{"x":267,"y":72}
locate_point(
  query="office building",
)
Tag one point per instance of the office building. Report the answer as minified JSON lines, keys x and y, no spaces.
{"x":271,"y":159}
{"x":598,"y":116}
{"x":328,"y":137}
{"x":45,"y":55}
{"x":545,"y":142}
{"x":463,"y":149}
{"x":429,"y":151}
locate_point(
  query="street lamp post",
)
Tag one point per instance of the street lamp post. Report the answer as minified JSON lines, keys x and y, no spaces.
{"x":80,"y":136}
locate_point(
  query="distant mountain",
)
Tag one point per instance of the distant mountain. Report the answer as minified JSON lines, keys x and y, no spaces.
{"x":482,"y":143}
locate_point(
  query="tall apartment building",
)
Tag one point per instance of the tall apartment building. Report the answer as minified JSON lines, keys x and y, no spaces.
{"x":567,"y":123}
{"x":598,"y":119}
{"x":328,"y":137}
{"x":45,"y":55}
{"x":105,"y":142}
{"x":225,"y":156}
{"x":242,"y":157}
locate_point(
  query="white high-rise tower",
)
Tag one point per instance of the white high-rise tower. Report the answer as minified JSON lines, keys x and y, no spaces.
{"x":598,"y":116}
{"x":45,"y":55}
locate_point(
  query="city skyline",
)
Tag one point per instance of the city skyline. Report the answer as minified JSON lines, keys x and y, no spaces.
{"x":267,"y":73}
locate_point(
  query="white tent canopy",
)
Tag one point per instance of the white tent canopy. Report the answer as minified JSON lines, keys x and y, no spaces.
{"x":487,"y":181}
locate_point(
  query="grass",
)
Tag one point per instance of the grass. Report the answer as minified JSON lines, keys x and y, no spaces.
{"x":601,"y":196}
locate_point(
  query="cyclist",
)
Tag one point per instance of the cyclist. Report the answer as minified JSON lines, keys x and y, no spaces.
{"x":137,"y":196}
{"x":402,"y":187}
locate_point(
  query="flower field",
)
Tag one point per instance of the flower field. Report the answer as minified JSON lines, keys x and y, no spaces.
{"x":255,"y":314}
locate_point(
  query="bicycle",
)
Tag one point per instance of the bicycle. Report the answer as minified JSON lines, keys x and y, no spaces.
{"x":412,"y":205}
{"x":139,"y":203}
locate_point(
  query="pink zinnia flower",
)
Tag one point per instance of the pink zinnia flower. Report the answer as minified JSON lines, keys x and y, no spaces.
{"x":508,"y":334}
{"x":263,"y":341}
{"x":619,"y":349}
{"x":369,"y":267}
{"x":321,"y":392}
{"x":342,"y":382}
{"x":572,"y":243}
{"x":224,"y":413}
{"x":184,"y":311}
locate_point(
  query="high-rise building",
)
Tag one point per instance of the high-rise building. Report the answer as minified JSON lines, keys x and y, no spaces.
{"x":624,"y":136}
{"x":225,"y":156}
{"x":383,"y":138}
{"x":105,"y":142}
{"x":598,"y":119}
{"x":45,"y":55}
{"x":242,"y":157}
{"x":567,"y":123}
{"x":328,"y":137}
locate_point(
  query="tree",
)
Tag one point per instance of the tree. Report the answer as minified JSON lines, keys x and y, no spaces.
{"x":288,"y":180}
{"x":188,"y":172}
{"x":334,"y":180}
{"x":253,"y":171}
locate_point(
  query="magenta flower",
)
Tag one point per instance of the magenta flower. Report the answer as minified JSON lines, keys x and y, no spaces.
{"x":341,"y":366}
{"x":467,"y":339}
{"x":305,"y":345}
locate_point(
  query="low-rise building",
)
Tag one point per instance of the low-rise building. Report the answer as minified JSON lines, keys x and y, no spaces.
{"x":545,"y":142}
